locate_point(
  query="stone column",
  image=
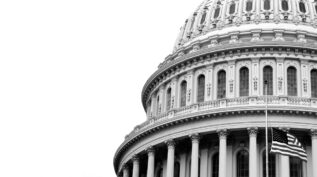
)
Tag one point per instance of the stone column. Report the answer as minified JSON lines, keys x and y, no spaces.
{"x":136,"y":166}
{"x":195,"y":155}
{"x":170,"y":157}
{"x":314,"y":151}
{"x":222,"y":152}
{"x":150,"y":162}
{"x":125,"y":171}
{"x":204,"y":162}
{"x":284,"y":166}
{"x":253,"y":170}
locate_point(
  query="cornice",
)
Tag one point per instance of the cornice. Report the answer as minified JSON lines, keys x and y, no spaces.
{"x":258,"y":110}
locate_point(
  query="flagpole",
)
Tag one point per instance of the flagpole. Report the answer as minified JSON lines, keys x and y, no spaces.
{"x":266,"y":134}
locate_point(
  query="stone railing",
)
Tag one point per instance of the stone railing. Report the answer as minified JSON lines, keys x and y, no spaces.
{"x":227,"y":103}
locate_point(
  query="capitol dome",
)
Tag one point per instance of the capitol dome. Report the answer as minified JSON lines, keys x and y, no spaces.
{"x":206,"y":103}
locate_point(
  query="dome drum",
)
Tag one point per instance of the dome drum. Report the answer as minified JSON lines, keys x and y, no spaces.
{"x":205,"y":104}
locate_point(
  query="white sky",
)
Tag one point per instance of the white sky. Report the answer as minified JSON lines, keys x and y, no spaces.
{"x":71,"y":75}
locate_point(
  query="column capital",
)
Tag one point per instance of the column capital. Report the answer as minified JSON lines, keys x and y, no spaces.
{"x":150,"y":149}
{"x":223,"y":133}
{"x":313,"y":133}
{"x":194,"y":137}
{"x":253,"y":131}
{"x":170,"y":143}
{"x":125,"y":166}
{"x":135,"y":158}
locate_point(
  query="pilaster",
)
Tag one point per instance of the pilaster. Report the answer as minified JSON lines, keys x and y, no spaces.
{"x":174,"y":93}
{"x":231,"y":80}
{"x":305,"y":86}
{"x":190,"y":88}
{"x":281,"y":90}
{"x":255,"y":69}
{"x":209,"y":83}
{"x":125,"y":170}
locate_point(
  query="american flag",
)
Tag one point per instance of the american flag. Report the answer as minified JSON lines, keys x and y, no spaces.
{"x":287,"y":144}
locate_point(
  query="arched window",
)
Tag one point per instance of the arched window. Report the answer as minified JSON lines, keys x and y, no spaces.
{"x":217,"y":12}
{"x":201,"y":89}
{"x":295,"y":167}
{"x":244,"y":81}
{"x":221,"y":91}
{"x":243,"y":163}
{"x":267,"y":5}
{"x":158,"y":105}
{"x":285,"y":5}
{"x":291,"y":81}
{"x":302,"y":7}
{"x":248,"y":6}
{"x":268,"y":76}
{"x":203,"y":17}
{"x":215,"y":165}
{"x":313,"y":81}
{"x":176,"y":169}
{"x":168,"y":98}
{"x":271,"y":164}
{"x":232,"y":8}
{"x":183,"y":93}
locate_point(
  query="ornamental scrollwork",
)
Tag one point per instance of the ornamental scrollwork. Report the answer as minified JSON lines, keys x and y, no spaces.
{"x":253,"y":131}
{"x":280,"y":83}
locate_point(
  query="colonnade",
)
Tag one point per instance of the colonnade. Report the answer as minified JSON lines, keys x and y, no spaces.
{"x":223,"y":163}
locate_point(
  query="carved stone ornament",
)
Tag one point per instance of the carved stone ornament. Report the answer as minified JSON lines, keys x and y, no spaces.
{"x":253,"y":131}
{"x":231,"y":85}
{"x":234,"y":39}
{"x":195,"y":137}
{"x":255,"y":83}
{"x":313,"y":133}
{"x":279,"y":37}
{"x":135,"y":159}
{"x":188,"y":95}
{"x":208,"y":89}
{"x":256,"y":37}
{"x":301,"y":38}
{"x":150,"y":149}
{"x":213,"y":43}
{"x":305,"y":84}
{"x":223,"y":133}
{"x":196,"y":47}
{"x":172,"y":101}
{"x":170,"y":143}
{"x":280,"y":83}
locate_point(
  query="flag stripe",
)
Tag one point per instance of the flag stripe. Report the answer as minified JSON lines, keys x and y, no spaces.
{"x":289,"y":154}
{"x":293,"y":148}
{"x":289,"y":151}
